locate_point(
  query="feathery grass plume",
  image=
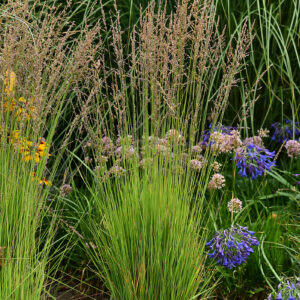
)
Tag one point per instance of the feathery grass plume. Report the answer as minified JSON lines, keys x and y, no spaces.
{"x":172,"y":59}
{"x":177,"y":70}
{"x":39,"y":76}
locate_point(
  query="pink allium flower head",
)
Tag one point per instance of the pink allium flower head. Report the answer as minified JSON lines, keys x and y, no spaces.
{"x":217,"y":182}
{"x":107,"y":145}
{"x":224,"y":143}
{"x":254,"y":140}
{"x":263,"y":133}
{"x":293,"y":148}
{"x":216,"y":166}
{"x":235,"y":205}
{"x":196,"y":164}
{"x":127,"y":140}
{"x":116,"y":171}
{"x":66,"y":189}
{"x":197,"y":149}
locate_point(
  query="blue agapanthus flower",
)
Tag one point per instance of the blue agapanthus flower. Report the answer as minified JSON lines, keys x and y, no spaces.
{"x":282,"y":133}
{"x":232,"y":247}
{"x":287,"y":290}
{"x":254,"y":161}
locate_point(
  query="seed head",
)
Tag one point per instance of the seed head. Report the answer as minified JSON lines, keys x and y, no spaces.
{"x":235,"y":205}
{"x":196,"y":164}
{"x":217,"y":182}
{"x":293,"y":148}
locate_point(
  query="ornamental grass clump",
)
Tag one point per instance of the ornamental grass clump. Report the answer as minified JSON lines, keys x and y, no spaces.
{"x":146,"y":221}
{"x":39,"y":74}
{"x":232,"y":247}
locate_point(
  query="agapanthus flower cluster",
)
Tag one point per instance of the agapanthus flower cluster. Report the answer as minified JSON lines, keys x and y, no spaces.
{"x":282,"y":133}
{"x":287,"y":290}
{"x":298,"y":177}
{"x":235,"y":205}
{"x":293,"y":148}
{"x":232,"y":247}
{"x":253,"y":160}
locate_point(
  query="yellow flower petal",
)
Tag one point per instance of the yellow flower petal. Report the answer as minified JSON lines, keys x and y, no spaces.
{"x":37,"y":158}
{"x":9,"y":82}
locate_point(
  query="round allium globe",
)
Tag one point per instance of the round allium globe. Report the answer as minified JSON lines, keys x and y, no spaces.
{"x":217,"y":182}
{"x":293,"y":148}
{"x":235,"y":205}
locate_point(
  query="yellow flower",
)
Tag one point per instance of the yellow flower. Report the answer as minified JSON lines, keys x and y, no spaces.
{"x":22,"y":100}
{"x":26,"y":108}
{"x":44,"y":181}
{"x":9,"y":83}
{"x":28,"y":149}
{"x":13,"y":136}
{"x":27,"y":156}
{"x":9,"y":105}
{"x":29,"y":144}
{"x":42,"y":147}
{"x":37,"y":158}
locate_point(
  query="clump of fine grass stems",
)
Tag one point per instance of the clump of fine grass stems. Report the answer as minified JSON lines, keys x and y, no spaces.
{"x":144,"y":229}
{"x":39,"y":76}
